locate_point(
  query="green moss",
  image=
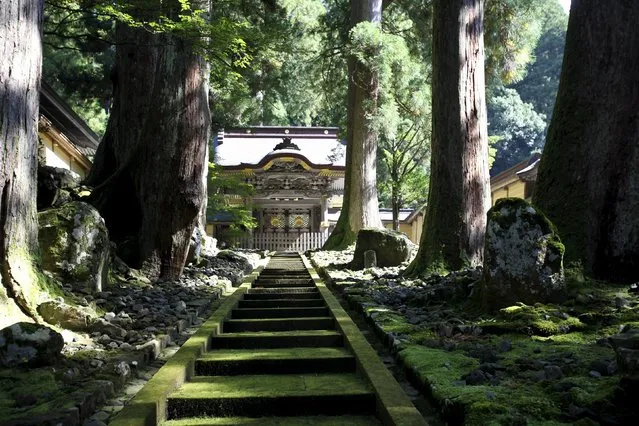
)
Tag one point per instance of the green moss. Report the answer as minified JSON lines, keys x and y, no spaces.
{"x":38,"y":384}
{"x":441,"y":371}
{"x":544,"y":320}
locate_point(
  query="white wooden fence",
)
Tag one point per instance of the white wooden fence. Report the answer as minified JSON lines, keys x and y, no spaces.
{"x":283,"y":242}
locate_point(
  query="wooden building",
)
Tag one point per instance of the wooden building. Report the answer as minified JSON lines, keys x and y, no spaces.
{"x":411,"y":221}
{"x":298,"y":177}
{"x":517,"y":181}
{"x":65,"y":139}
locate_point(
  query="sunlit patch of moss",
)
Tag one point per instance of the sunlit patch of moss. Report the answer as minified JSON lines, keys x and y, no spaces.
{"x":593,"y":393}
{"x":545,"y":320}
{"x":391,"y":322}
{"x":441,"y":371}
{"x":421,"y":335}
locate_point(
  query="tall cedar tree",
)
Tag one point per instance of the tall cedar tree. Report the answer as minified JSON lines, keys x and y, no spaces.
{"x":360,"y":206}
{"x":20,"y":68}
{"x":148,"y":169}
{"x":588,"y":181}
{"x":459,"y":197}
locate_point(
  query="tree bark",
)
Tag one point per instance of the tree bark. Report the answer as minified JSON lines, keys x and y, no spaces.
{"x":148,"y":169}
{"x":396,"y":204}
{"x":588,"y":182}
{"x":360,"y":207}
{"x":459,"y":196}
{"x":20,"y":68}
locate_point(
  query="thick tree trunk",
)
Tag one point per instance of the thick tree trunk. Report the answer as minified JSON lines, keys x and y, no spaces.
{"x":588,"y":181}
{"x":148,"y":169}
{"x":360,"y":206}
{"x":20,"y":67}
{"x":459,"y":197}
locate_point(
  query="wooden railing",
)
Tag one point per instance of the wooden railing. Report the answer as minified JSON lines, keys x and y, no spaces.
{"x":282,"y":241}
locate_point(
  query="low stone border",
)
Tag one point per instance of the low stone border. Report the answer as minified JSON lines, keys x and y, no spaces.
{"x":393,"y":406}
{"x":389,"y":340}
{"x":148,"y":407}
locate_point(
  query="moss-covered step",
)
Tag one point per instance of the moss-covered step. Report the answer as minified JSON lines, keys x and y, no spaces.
{"x":313,"y":311}
{"x":283,"y":279}
{"x":278,"y":324}
{"x":275,"y":361}
{"x":281,"y":303}
{"x":284,"y":290}
{"x":271,"y":395}
{"x":277,"y":339}
{"x":288,"y":295}
{"x":292,"y":284}
{"x":277,"y":421}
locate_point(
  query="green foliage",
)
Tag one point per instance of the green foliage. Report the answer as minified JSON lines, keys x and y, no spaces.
{"x":78,"y":59}
{"x":511,"y":31}
{"x":539,"y":86}
{"x":517,"y":129}
{"x":227,"y":198}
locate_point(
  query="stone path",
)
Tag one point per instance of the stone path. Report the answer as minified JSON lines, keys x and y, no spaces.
{"x":289,"y":355}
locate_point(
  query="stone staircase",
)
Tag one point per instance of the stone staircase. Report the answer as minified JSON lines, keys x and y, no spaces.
{"x":279,"y":361}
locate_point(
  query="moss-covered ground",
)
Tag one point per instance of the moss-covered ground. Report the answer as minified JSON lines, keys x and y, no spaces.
{"x":546,"y":364}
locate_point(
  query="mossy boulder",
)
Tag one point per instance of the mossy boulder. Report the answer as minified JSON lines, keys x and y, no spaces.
{"x":391,"y":247}
{"x":71,"y":317}
{"x":75,"y":245}
{"x":523,"y":256}
{"x":30,"y":344}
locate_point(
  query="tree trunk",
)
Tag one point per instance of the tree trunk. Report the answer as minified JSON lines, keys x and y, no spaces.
{"x":360,"y":206}
{"x":20,"y":67}
{"x":459,"y":197}
{"x":588,"y":181}
{"x":395,"y":206}
{"x":148,"y":169}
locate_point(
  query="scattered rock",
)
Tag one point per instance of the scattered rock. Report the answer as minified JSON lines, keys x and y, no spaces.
{"x":505,"y":346}
{"x":523,"y":256}
{"x":626,"y":346}
{"x":553,"y":372}
{"x":475,"y":378}
{"x":30,"y":344}
{"x":66,"y":316}
{"x":621,"y":302}
{"x":75,"y":245}
{"x":111,"y":330}
{"x":54,"y":185}
{"x":391,"y":247}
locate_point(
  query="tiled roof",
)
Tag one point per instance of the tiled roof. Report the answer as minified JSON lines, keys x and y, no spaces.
{"x":248,"y":146}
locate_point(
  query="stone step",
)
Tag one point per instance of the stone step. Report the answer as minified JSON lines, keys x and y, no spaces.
{"x":271,"y":395}
{"x":277,"y":421}
{"x":271,"y":295}
{"x":281,"y":303}
{"x":282,"y":283}
{"x":278,"y":324}
{"x":226,"y":362}
{"x":279,"y":312}
{"x":278,"y":339}
{"x":283,"y":290}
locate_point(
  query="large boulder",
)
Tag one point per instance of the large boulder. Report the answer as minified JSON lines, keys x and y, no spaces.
{"x":391,"y":247}
{"x":30,"y":344}
{"x":523,"y":256}
{"x":66,"y":316}
{"x":75,"y":245}
{"x":54,"y":186}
